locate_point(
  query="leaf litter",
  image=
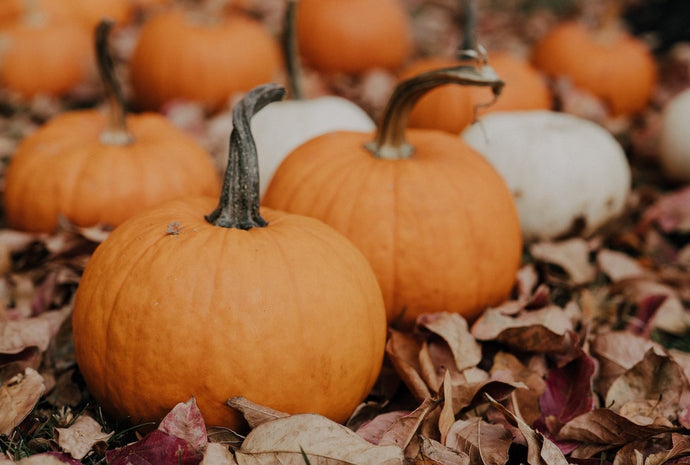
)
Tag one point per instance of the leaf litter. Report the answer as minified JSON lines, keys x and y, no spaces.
{"x":587,"y":362}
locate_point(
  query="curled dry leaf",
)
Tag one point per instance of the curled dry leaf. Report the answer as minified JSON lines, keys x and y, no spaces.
{"x":80,"y":437}
{"x":374,"y":429}
{"x":255,"y":414}
{"x":403,"y":351}
{"x":402,"y":432}
{"x":434,"y":453}
{"x":571,"y":255}
{"x":157,"y":447}
{"x":485,"y":443}
{"x":185,"y":421}
{"x":322,"y":440}
{"x":218,"y":454}
{"x":670,"y":213}
{"x":619,"y":266}
{"x":547,"y":329}
{"x":453,"y":329}
{"x":18,"y":396}
{"x":527,"y":399}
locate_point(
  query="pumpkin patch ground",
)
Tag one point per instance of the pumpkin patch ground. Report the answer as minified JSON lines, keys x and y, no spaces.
{"x":582,"y":356}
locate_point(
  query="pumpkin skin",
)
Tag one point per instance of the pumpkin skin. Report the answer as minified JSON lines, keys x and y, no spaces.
{"x":568,"y":175}
{"x":178,"y":57}
{"x":600,"y":63}
{"x":85,"y":12}
{"x":288,"y":314}
{"x":452,"y":108}
{"x":43,"y":57}
{"x":65,"y":169}
{"x":674,"y":139}
{"x":353,"y":36}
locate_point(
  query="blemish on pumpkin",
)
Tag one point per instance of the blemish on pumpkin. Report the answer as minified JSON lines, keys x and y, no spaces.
{"x":517,"y":193}
{"x":173,"y":228}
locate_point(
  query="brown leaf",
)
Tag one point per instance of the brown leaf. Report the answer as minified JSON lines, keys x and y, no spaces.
{"x":405,"y":428}
{"x":619,"y":266}
{"x":322,"y":440}
{"x":527,"y":399}
{"x":81,"y":436}
{"x":434,"y":453}
{"x":403,"y":351}
{"x":571,"y":255}
{"x":670,"y":213}
{"x":374,"y":429}
{"x":18,"y":396}
{"x":548,"y":329}
{"x":218,"y":454}
{"x":447,"y":415}
{"x":255,"y":414}
{"x":185,"y":421}
{"x":453,"y":329}
{"x":485,"y":443}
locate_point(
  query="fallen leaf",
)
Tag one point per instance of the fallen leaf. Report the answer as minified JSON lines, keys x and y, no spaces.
{"x":403,"y":351}
{"x":434,"y":453}
{"x":374,"y":429}
{"x":453,"y":329}
{"x":48,"y":458}
{"x":527,"y":399}
{"x":18,"y":396}
{"x":324,"y":441}
{"x":156,"y":448}
{"x":670,"y":213}
{"x":405,"y":428}
{"x":80,"y":437}
{"x":619,"y":266}
{"x":185,"y":421}
{"x":218,"y":454}
{"x":571,"y":255}
{"x":483,"y":442}
{"x":447,"y":415}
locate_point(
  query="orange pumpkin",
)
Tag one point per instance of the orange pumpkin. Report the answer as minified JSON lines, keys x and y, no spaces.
{"x":278,"y":308}
{"x":353,"y":36}
{"x":452,"y":108}
{"x":611,"y":64}
{"x":184,"y":56}
{"x":435,"y":219}
{"x":85,"y":12}
{"x":38,"y":56}
{"x":92,"y":167}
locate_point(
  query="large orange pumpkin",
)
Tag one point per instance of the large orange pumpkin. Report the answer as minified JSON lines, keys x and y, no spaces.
{"x":452,"y":108}
{"x":436,"y":221}
{"x":193,"y":57}
{"x":613,"y":65}
{"x":278,"y":308}
{"x":96,"y":167}
{"x":353,"y":36}
{"x":39,"y":56}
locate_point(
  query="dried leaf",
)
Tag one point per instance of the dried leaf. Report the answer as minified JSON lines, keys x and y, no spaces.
{"x":374,"y":429}
{"x":405,"y":428}
{"x":453,"y":329}
{"x":157,"y":447}
{"x":527,"y":399}
{"x":47,"y":458}
{"x":81,"y":436}
{"x":218,"y":454}
{"x":545,"y":330}
{"x":18,"y":396}
{"x":619,"y":266}
{"x":617,"y":351}
{"x":255,"y":414}
{"x":447,"y":415}
{"x":670,"y":213}
{"x":571,"y":255}
{"x":434,"y":453}
{"x":185,"y":421}
{"x":485,"y":443}
{"x":324,"y":442}
{"x":403,"y":352}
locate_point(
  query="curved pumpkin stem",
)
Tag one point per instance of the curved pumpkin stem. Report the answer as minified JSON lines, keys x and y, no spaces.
{"x":389,"y":140}
{"x":116,"y":132}
{"x":291,"y":51}
{"x":239,"y":199}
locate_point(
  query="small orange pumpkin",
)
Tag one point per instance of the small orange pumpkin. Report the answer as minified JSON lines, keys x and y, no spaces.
{"x":353,"y":36}
{"x":92,"y":167}
{"x":85,"y":12}
{"x":610,"y":63}
{"x":39,"y":56}
{"x":202,"y":58}
{"x":278,"y":308}
{"x":435,"y":219}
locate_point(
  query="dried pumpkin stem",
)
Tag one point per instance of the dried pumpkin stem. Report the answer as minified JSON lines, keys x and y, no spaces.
{"x":291,"y":51}
{"x":389,"y":140}
{"x":239,"y":200}
{"x":116,"y":133}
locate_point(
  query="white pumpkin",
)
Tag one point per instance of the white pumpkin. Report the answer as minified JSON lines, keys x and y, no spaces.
{"x":567,"y":174}
{"x":674,"y":137}
{"x":282,"y":126}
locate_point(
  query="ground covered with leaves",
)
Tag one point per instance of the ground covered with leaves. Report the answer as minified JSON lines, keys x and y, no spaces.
{"x":588,"y":362}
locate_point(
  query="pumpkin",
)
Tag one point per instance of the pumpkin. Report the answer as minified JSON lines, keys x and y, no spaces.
{"x":674,"y":138}
{"x":568,"y":175}
{"x":85,"y":12}
{"x":94,"y":167}
{"x":434,"y":218}
{"x":284,"y":125}
{"x":600,"y":61}
{"x":42,"y":57}
{"x":353,"y":36}
{"x":452,"y":108}
{"x":206,"y":58}
{"x":184,"y":300}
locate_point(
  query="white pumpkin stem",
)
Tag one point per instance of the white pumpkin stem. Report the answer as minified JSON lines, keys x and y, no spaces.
{"x":389,"y":140}
{"x":116,"y":133}
{"x":240,"y":198}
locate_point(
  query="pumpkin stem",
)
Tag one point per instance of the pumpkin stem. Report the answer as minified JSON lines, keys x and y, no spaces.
{"x":291,"y":51}
{"x":116,"y":132}
{"x":239,"y":200}
{"x":389,"y":140}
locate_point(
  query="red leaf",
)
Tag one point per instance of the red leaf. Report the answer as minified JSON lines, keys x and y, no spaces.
{"x":155,"y":448}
